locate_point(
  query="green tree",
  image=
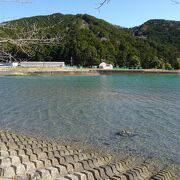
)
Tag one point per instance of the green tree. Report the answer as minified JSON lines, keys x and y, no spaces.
{"x":134,"y":62}
{"x":177,"y":64}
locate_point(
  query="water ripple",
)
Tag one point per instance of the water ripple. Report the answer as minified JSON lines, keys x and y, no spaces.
{"x":93,"y":109}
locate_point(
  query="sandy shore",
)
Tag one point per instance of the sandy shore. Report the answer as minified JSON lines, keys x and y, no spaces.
{"x":77,"y":71}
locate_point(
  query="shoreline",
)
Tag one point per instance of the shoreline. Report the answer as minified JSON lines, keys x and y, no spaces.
{"x":49,"y":150}
{"x":19,"y":71}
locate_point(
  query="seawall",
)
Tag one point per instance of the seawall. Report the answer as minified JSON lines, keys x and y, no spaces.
{"x":78,"y":71}
{"x":25,"y":157}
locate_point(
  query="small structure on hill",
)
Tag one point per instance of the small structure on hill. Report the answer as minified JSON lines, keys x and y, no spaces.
{"x":104,"y":65}
{"x":42,"y":64}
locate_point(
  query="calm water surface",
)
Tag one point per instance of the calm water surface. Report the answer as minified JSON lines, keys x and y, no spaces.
{"x":92,"y":109}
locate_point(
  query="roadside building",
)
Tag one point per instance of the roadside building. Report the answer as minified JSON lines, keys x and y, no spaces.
{"x":41,"y":64}
{"x":14,"y":64}
{"x":9,"y":64}
{"x":104,"y":65}
{"x":4,"y":64}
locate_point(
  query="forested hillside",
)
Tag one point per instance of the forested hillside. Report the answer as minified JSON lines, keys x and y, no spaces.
{"x":84,"y":40}
{"x":162,"y":31}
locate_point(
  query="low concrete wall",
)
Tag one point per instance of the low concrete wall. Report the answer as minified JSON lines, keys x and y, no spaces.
{"x":42,"y":64}
{"x":83,"y":71}
{"x":119,"y":71}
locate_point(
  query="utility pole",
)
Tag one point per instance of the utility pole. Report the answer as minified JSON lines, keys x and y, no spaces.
{"x":10,"y":58}
{"x":71,"y":61}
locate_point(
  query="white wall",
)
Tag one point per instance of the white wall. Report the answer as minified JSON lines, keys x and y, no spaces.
{"x":42,"y":64}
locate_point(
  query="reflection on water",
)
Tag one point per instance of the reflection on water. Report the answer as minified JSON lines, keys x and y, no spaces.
{"x":94,"y":109}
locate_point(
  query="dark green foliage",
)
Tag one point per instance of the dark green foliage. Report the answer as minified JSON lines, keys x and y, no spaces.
{"x":162,"y":31}
{"x":164,"y":36}
{"x":88,"y":40}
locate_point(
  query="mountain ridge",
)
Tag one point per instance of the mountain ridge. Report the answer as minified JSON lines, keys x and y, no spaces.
{"x":89,"y":40}
{"x":158,"y":30}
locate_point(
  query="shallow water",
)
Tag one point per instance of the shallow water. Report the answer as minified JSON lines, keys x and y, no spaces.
{"x":92,"y":109}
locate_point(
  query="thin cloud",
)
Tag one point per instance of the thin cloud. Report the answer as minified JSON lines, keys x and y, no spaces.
{"x":175,"y":1}
{"x":17,"y":1}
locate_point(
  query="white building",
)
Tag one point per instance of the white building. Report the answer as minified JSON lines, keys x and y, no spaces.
{"x":14,"y":64}
{"x":104,"y":65}
{"x":5,"y":64}
{"x":9,"y":64}
{"x":42,"y":64}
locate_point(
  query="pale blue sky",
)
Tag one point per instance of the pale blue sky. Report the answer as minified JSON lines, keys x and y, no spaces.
{"x":126,"y":13}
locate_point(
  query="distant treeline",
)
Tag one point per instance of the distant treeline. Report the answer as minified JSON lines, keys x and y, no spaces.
{"x":86,"y":41}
